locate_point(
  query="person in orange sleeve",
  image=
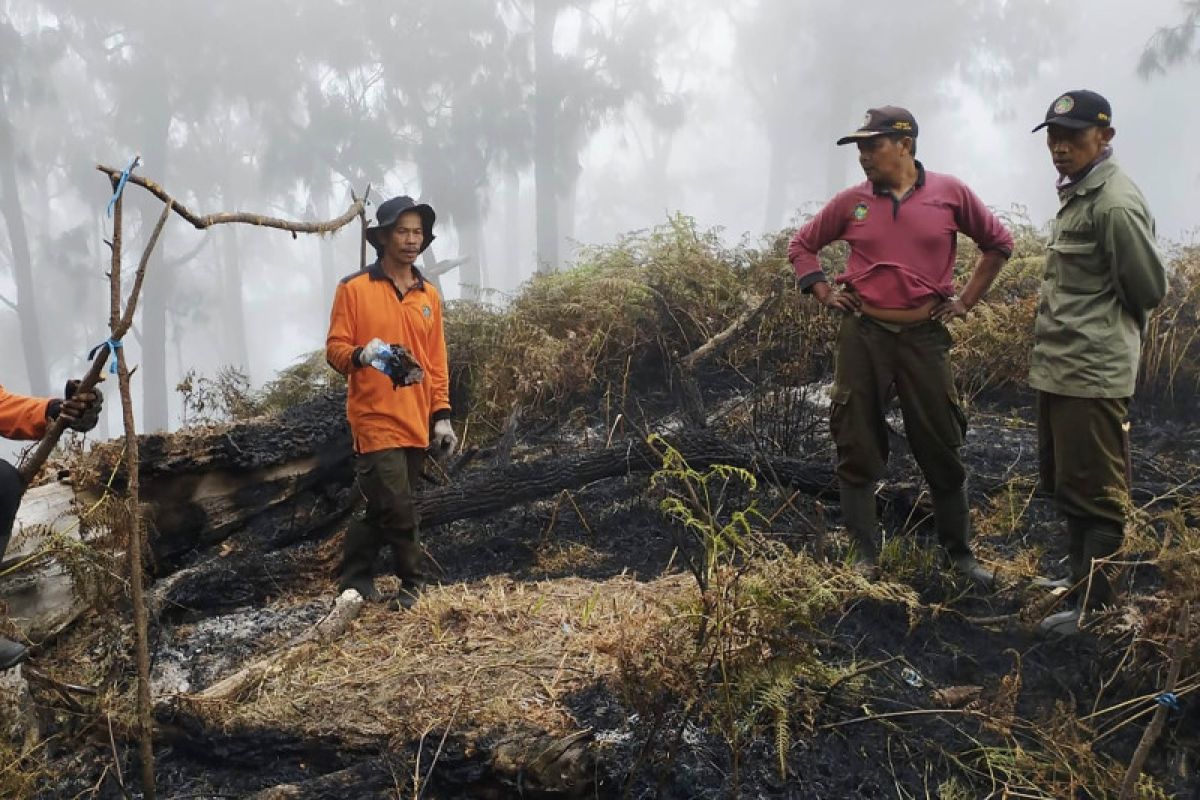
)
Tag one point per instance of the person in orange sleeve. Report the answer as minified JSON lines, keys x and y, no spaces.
{"x":383,"y":316}
{"x":28,"y":418}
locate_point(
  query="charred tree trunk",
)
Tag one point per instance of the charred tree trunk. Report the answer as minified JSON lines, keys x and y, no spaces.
{"x":14,"y":219}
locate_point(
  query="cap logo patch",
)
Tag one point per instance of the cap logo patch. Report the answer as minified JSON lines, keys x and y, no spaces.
{"x":901,"y":125}
{"x":866,"y":123}
{"x":860,"y":212}
{"x":1102,"y":116}
{"x":1064,"y":104}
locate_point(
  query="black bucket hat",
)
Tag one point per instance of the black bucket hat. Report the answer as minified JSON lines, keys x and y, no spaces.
{"x":390,"y":210}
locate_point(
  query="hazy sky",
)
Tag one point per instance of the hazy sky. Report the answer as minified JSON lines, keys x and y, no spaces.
{"x":716,"y":173}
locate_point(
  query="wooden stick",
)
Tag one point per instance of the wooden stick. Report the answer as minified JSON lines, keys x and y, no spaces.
{"x":1154,"y":729}
{"x":229,"y":217}
{"x":345,"y":609}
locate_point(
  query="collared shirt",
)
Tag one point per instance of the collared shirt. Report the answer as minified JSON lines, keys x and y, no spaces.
{"x":902,"y":251}
{"x":1104,"y":276}
{"x":22,"y":417}
{"x":366,"y":306}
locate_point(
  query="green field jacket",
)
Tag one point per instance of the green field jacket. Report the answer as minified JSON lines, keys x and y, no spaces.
{"x":1104,"y":275}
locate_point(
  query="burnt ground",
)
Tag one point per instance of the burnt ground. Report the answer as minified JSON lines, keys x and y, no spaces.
{"x":275,"y":587}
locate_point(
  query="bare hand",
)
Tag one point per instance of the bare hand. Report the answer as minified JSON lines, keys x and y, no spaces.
{"x":846,"y":300}
{"x":949,"y":309}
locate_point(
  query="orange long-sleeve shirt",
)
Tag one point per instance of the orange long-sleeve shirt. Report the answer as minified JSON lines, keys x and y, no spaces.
{"x":22,"y":417}
{"x":367,"y":305}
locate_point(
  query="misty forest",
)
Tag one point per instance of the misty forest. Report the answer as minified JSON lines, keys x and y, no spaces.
{"x":644,"y":580}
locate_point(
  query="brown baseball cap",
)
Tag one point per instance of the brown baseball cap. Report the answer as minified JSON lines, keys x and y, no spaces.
{"x":884,"y":121}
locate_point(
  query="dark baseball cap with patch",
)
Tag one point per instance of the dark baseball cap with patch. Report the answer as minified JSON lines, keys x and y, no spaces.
{"x":390,"y":210}
{"x":1078,"y":109}
{"x":884,"y":121}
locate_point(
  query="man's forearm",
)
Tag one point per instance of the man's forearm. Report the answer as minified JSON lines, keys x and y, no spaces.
{"x":986,"y":270}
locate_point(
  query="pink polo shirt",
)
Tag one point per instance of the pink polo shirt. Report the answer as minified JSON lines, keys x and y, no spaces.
{"x":901,"y":251}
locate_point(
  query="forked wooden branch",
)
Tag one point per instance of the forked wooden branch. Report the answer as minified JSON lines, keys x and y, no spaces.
{"x":228,"y":217}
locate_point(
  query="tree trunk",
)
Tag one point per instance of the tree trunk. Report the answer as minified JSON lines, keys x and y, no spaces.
{"x":233,"y":312}
{"x":157,"y":288}
{"x":470,"y":238}
{"x":329,"y":268}
{"x":512,"y":273}
{"x":779,"y":165}
{"x":545,"y":134}
{"x":22,"y":264}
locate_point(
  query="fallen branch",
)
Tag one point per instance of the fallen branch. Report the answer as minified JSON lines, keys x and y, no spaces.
{"x":1154,"y":729}
{"x":334,"y":624}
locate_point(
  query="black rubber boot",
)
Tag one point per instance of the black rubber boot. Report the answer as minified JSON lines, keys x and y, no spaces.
{"x":1101,"y":539}
{"x":11,"y":490}
{"x":952,"y":518}
{"x":11,"y":653}
{"x":409,"y":594}
{"x":862,"y":524}
{"x":358,"y":560}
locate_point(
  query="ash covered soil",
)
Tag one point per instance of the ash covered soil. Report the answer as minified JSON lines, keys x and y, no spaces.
{"x":517,"y":651}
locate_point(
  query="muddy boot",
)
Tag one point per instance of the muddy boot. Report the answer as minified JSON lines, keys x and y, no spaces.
{"x":1101,"y":539}
{"x":11,"y":653}
{"x":409,"y":594}
{"x":952,"y":517}
{"x":1064,"y":623}
{"x":862,"y":525}
{"x":1075,"y":534}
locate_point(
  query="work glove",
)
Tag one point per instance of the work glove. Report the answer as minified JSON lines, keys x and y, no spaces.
{"x":372,"y":352}
{"x":81,"y":410}
{"x":443,"y":441}
{"x":392,"y":360}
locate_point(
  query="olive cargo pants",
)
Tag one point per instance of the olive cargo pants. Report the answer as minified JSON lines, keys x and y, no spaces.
{"x":1083,"y":457}
{"x":876,"y":362}
{"x":387,"y":480}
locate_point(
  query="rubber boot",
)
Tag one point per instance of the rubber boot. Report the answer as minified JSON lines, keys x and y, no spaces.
{"x":1101,"y":539}
{"x":1094,"y":584}
{"x":11,"y":653}
{"x":862,"y":525}
{"x":1076,"y":528}
{"x":952,"y":518}
{"x":358,"y":560}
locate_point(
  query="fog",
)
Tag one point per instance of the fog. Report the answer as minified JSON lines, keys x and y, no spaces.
{"x":723,"y":111}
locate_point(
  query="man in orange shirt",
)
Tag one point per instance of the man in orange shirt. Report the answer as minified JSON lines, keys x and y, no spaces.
{"x":28,"y":418}
{"x":381,"y":316}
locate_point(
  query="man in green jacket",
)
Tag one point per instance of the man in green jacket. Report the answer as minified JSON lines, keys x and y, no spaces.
{"x":1104,"y":276}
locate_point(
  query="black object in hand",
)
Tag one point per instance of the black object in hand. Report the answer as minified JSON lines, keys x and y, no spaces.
{"x":401,"y":367}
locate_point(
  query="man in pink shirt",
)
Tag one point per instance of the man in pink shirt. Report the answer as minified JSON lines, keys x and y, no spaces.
{"x":897,"y":293}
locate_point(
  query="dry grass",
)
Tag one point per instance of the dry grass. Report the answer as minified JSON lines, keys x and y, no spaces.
{"x":487,"y":653}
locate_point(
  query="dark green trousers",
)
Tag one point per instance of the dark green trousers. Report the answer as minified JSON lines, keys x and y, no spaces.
{"x":875,"y":364}
{"x":387,"y":480}
{"x":1082,"y":455}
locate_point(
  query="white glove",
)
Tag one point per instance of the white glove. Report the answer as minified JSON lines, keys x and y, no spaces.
{"x":373,"y":352}
{"x":443,"y":442}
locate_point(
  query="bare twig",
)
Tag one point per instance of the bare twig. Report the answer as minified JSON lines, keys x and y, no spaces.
{"x":1154,"y":729}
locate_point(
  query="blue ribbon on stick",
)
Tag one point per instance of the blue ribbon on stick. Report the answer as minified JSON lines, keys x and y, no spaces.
{"x":113,"y":345}
{"x":1169,"y":700}
{"x":124,"y":179}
